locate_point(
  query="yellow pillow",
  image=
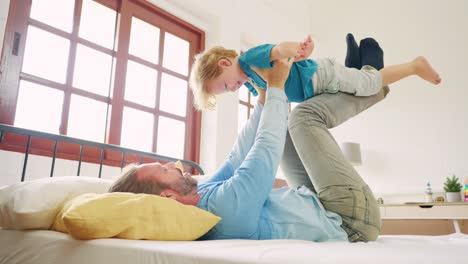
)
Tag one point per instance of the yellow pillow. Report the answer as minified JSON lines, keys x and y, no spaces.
{"x":132,"y":216}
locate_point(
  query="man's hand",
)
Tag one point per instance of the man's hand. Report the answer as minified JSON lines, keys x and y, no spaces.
{"x":278,"y":75}
{"x":261,"y":94}
{"x":305,"y":49}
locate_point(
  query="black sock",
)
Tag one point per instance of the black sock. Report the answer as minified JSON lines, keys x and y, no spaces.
{"x":371,"y":53}
{"x":353,"y":59}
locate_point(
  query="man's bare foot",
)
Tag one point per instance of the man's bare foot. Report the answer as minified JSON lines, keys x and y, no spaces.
{"x":424,"y":70}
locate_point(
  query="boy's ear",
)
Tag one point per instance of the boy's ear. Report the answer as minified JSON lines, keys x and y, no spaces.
{"x":224,"y":63}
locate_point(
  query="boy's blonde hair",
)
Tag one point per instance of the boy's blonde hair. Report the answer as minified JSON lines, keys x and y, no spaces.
{"x":206,"y":68}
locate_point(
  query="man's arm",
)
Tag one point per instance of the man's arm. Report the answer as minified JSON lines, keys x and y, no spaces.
{"x":242,"y":146}
{"x":247,"y":190}
{"x":244,"y":142}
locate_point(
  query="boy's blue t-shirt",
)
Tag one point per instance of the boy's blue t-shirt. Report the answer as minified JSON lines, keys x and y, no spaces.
{"x":298,"y":86}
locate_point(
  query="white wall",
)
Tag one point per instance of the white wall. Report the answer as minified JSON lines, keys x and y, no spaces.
{"x":418,"y":134}
{"x":11,"y":164}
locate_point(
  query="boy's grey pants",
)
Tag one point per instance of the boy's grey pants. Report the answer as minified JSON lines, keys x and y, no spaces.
{"x":313,"y":158}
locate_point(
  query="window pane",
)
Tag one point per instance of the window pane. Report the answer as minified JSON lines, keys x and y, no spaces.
{"x":173,"y":95}
{"x":92,"y":70}
{"x":242,"y":117}
{"x":87,"y":118}
{"x":176,"y":54}
{"x":39,"y":107}
{"x":137,"y":129}
{"x":243,"y":93}
{"x":60,"y":16}
{"x":43,"y":48}
{"x":97,"y":23}
{"x":144,"y":40}
{"x":171,"y":137}
{"x":140,"y":84}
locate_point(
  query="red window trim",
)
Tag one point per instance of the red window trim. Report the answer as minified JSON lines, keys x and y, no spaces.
{"x":44,"y":147}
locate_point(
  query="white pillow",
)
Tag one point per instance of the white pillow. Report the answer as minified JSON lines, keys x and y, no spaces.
{"x":34,"y":204}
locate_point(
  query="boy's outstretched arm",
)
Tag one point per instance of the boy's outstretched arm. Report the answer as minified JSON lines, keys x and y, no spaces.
{"x":305,"y":49}
{"x":298,"y":50}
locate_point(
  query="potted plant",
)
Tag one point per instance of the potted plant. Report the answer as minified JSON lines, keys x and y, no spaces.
{"x":452,"y":188}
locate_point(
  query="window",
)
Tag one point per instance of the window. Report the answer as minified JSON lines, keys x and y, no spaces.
{"x":246,"y":104}
{"x":113,"y":71}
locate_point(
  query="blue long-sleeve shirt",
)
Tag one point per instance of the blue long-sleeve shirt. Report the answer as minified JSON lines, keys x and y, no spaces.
{"x":240,"y":191}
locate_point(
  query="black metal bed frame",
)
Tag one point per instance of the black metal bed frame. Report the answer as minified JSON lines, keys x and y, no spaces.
{"x":83,"y":143}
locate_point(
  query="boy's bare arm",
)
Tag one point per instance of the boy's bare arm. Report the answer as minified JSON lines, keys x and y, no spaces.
{"x":305,"y":49}
{"x":284,"y":50}
{"x":297,"y":50}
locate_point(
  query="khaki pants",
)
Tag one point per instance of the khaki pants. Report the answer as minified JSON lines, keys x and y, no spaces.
{"x":313,"y":158}
{"x":332,"y":77}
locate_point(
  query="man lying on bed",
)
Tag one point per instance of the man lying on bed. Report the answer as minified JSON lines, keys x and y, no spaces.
{"x":331,"y":203}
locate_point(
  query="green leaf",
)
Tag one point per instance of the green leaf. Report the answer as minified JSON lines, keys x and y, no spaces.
{"x":452,"y":184}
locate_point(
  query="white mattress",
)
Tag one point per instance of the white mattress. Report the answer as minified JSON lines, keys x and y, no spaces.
{"x":53,"y":247}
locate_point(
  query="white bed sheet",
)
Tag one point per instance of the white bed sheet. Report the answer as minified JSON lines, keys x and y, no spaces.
{"x":52,"y":247}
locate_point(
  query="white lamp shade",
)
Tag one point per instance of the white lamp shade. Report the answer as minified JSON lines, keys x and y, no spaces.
{"x":352,"y":152}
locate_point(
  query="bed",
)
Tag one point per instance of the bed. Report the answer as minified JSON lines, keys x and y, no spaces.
{"x":46,"y":246}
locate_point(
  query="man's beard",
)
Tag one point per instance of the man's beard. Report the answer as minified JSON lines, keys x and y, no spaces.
{"x":186,"y":185}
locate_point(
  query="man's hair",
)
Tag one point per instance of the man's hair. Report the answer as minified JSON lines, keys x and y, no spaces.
{"x":130,"y":181}
{"x":206,"y":68}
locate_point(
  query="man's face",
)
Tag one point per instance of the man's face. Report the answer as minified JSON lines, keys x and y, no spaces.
{"x":182,"y":183}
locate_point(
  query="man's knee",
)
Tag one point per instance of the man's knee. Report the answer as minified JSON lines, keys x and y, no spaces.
{"x":311,"y":112}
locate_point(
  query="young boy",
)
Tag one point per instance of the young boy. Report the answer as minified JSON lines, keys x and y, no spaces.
{"x":219,"y":70}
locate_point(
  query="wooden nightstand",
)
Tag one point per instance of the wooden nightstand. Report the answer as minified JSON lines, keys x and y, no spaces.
{"x":451,"y":211}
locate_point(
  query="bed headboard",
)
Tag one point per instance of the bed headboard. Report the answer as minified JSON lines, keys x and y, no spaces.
{"x":103,"y":151}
